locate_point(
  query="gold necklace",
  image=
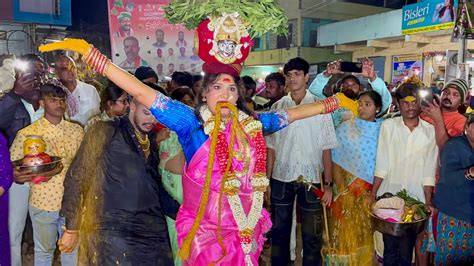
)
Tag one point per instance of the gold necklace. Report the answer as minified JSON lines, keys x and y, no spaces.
{"x":140,"y":139}
{"x":144,"y":143}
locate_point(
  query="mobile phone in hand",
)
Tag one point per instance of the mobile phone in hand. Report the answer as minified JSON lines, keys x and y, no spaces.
{"x":354,"y":67}
{"x":426,"y":97}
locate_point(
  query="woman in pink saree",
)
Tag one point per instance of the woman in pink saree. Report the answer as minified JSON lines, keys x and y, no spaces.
{"x":221,"y":220}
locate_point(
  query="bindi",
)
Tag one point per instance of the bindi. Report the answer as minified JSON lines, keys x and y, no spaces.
{"x":227,"y":80}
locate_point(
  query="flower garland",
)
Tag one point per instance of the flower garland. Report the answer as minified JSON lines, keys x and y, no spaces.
{"x":242,"y":125}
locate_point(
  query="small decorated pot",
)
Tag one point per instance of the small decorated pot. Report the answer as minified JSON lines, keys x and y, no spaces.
{"x":34,"y":149}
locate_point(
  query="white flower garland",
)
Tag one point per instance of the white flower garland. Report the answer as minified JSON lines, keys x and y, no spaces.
{"x":259,"y":183}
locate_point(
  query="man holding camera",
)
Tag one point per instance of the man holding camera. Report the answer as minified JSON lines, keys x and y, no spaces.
{"x":351,"y":87}
{"x":445,"y":116}
{"x":19,"y":108}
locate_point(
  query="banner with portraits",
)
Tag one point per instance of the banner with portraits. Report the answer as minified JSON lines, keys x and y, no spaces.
{"x":141,"y":36}
{"x":405,"y":66}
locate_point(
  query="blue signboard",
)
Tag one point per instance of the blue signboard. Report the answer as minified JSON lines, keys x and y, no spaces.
{"x":51,"y":12}
{"x":429,"y":15}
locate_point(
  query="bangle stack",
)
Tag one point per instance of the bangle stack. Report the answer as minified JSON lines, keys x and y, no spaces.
{"x":95,"y":59}
{"x":330,"y":104}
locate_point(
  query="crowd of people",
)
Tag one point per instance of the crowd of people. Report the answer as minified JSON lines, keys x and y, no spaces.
{"x":145,"y":168}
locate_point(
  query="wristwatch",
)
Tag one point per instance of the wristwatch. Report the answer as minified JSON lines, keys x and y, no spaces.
{"x":330,"y":183}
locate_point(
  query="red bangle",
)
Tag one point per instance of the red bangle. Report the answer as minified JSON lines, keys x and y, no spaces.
{"x":330,"y":104}
{"x":97,"y":61}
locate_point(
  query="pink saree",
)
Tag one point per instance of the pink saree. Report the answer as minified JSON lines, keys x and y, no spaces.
{"x":205,"y":248}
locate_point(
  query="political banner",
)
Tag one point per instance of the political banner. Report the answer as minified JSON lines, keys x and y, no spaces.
{"x":141,"y":36}
{"x":429,"y":15}
{"x":405,"y":66}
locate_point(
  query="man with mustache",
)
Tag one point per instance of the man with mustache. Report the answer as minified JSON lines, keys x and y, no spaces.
{"x":448,"y":123}
{"x":445,"y":117}
{"x":62,"y":139}
{"x":115,"y":175}
{"x":125,"y":28}
{"x":406,"y":159}
{"x":83,"y":100}
{"x":131,"y":48}
{"x":351,"y":87}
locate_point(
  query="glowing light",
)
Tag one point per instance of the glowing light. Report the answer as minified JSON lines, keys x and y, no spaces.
{"x":423,"y":93}
{"x":21,"y":65}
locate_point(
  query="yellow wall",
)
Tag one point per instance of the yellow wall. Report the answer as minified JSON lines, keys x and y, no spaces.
{"x":281,"y":56}
{"x":437,"y":44}
{"x":320,"y":55}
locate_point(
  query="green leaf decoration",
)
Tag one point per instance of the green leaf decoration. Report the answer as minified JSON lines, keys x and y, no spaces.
{"x":261,"y":16}
{"x":118,"y":3}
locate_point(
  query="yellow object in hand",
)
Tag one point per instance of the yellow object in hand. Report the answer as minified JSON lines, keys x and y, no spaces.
{"x":77,"y":45}
{"x":347,"y":103}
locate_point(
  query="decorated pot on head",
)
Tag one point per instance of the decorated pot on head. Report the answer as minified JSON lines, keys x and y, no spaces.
{"x":223,"y":43}
{"x":34,"y":150}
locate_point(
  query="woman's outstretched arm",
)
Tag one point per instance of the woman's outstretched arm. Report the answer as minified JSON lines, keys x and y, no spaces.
{"x":92,"y":57}
{"x":325,"y":106}
{"x":140,"y":91}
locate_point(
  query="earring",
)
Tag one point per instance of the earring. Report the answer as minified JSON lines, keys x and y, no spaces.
{"x":203,"y":98}
{"x":377,"y":111}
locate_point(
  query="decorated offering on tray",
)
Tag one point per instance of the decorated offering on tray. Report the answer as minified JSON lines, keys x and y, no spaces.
{"x":400,"y":208}
{"x":34,"y":149}
{"x":390,"y":209}
{"x":399,"y":214}
{"x":36,"y":160}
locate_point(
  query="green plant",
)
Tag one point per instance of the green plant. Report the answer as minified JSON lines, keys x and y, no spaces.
{"x":416,"y":205}
{"x":262,"y":16}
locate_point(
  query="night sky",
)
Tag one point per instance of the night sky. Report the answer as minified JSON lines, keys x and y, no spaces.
{"x":90,"y":22}
{"x":89,"y":15}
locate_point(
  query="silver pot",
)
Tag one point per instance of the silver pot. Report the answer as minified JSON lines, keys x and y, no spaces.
{"x":398,"y":229}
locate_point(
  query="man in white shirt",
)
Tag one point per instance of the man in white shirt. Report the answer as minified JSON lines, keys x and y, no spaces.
{"x":406,"y":159}
{"x":83,"y":99}
{"x":303,"y":148}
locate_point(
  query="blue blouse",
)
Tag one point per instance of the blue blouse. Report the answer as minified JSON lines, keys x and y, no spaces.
{"x":454,"y":194}
{"x":181,"y":119}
